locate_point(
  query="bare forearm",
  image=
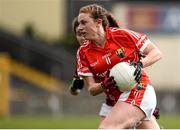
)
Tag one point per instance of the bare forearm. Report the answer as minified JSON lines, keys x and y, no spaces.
{"x":95,"y":89}
{"x":153,"y":56}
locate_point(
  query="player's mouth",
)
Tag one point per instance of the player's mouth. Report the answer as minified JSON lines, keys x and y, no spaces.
{"x":83,"y":34}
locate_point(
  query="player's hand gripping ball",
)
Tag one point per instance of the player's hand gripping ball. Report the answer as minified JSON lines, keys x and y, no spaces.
{"x":123,"y":74}
{"x":108,"y":81}
{"x":138,"y":71}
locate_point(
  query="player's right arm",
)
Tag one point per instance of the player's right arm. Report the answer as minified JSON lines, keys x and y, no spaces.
{"x":97,"y":88}
{"x":85,"y":72}
{"x":93,"y":87}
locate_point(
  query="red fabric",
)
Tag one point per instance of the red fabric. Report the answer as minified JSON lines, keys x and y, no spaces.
{"x":121,"y":45}
{"x":136,"y":95}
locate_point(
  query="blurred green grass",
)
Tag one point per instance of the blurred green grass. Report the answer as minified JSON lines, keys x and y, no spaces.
{"x":72,"y":122}
{"x":48,"y":122}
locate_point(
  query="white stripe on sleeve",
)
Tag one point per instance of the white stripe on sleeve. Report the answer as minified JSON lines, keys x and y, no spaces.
{"x":147,"y":42}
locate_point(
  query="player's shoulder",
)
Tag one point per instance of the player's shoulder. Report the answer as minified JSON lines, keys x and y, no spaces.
{"x":124,"y":32}
{"x":116,"y":31}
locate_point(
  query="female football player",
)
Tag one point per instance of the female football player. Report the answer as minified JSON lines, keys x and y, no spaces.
{"x":99,"y":54}
{"x":106,"y":107}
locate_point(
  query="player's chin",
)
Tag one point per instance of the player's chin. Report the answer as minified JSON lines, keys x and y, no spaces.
{"x":88,"y":37}
{"x":82,"y":41}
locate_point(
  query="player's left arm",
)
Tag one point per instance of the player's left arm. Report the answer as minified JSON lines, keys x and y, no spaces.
{"x":152,"y":55}
{"x":149,"y":50}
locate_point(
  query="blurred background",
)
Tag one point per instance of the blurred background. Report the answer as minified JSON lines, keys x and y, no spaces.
{"x":37,"y":61}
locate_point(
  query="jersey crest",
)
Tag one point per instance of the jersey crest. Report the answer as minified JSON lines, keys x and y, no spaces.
{"x":120,"y":52}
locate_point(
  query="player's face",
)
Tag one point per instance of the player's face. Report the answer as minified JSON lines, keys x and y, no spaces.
{"x":87,"y":26}
{"x":79,"y":37}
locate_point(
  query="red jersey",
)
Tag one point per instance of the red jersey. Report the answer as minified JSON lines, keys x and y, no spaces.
{"x":121,"y":45}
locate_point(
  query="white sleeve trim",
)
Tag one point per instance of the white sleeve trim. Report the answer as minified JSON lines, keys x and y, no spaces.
{"x":85,"y":74}
{"x":147,"y":42}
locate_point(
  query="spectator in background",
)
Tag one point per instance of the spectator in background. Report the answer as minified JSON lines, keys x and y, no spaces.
{"x":92,"y":56}
{"x":54,"y":104}
{"x":29,"y":31}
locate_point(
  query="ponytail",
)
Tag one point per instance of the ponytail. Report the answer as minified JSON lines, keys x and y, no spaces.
{"x":112,"y":21}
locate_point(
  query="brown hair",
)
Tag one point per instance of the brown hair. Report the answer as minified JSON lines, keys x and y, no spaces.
{"x":112,"y":21}
{"x":75,"y":24}
{"x":97,"y":12}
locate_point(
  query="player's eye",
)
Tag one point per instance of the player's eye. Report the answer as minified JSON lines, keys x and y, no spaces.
{"x":83,"y":22}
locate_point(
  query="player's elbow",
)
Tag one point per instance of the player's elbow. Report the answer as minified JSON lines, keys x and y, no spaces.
{"x":159,"y":55}
{"x":93,"y":91}
{"x":93,"y":94}
{"x":156,"y":54}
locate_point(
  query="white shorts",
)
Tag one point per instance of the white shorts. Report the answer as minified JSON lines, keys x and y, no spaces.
{"x":146,"y":102}
{"x":105,"y":109}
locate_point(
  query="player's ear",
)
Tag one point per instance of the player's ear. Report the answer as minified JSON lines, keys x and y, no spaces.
{"x":98,"y":22}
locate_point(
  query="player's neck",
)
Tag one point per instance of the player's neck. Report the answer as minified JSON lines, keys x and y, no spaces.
{"x":100,"y":41}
